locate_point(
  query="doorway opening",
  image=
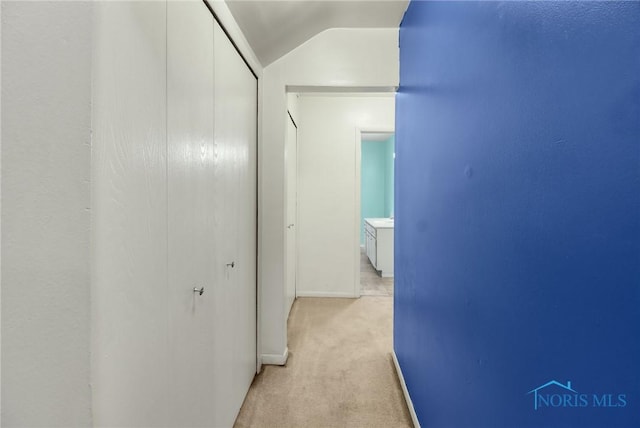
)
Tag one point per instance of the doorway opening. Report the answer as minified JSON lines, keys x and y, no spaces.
{"x":322,"y":224}
{"x":377,"y":154}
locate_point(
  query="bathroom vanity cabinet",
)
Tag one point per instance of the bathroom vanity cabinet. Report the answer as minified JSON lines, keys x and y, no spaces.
{"x":379,"y":244}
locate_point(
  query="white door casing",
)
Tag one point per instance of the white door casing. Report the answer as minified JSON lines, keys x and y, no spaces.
{"x":291,"y":162}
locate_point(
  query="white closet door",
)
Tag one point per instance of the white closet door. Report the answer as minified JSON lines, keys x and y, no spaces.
{"x":129,"y":358}
{"x":236,"y":211}
{"x":190,"y":164}
{"x":291,"y":232}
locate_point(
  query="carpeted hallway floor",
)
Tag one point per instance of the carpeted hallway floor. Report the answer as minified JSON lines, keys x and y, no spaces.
{"x":339,"y":373}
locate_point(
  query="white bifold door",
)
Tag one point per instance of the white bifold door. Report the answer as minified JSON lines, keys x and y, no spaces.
{"x":235,"y":186}
{"x":174,"y":213}
{"x":212,"y":217}
{"x":193,"y":262}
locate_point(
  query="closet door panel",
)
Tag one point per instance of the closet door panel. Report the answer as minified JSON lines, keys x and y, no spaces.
{"x":190,"y":212}
{"x":129,"y":358}
{"x":236,"y":211}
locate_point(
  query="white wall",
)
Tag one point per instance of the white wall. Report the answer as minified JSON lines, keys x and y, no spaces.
{"x":328,"y":184}
{"x":334,"y":58}
{"x":0,"y":221}
{"x":46,"y":128}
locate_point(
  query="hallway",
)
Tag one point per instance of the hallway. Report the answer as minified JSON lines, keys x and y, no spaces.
{"x":339,"y":373}
{"x":175,"y":174}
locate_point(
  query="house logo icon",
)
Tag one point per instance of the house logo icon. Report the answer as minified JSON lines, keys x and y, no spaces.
{"x":554,"y":394}
{"x":536,"y":399}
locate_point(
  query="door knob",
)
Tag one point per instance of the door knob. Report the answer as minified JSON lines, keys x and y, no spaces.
{"x":198,"y":290}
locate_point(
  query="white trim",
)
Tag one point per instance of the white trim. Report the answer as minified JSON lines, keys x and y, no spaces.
{"x":275,"y":359}
{"x":226,"y":19}
{"x":327,"y":294}
{"x":405,"y":391}
{"x":1,"y":211}
{"x":372,"y":91}
{"x":357,"y":287}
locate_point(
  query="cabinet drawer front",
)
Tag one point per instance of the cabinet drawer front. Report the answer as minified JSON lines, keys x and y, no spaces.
{"x":370,"y":229}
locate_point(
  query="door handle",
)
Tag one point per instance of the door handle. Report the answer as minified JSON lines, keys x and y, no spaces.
{"x":290,"y":226}
{"x":198,"y":290}
{"x":232,"y":264}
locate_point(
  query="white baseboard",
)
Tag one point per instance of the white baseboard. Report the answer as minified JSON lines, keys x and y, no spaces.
{"x":405,"y":391}
{"x":275,"y":359}
{"x":326,"y":294}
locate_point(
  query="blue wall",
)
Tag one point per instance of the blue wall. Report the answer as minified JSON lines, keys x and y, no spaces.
{"x":518,"y":212}
{"x":376,"y":187}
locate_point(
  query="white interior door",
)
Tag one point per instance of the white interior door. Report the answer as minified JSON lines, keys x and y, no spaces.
{"x":190,"y":95}
{"x":291,"y":162}
{"x":235,"y":186}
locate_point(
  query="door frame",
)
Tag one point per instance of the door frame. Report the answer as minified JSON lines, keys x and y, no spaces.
{"x":297,"y":216}
{"x":357,"y":288}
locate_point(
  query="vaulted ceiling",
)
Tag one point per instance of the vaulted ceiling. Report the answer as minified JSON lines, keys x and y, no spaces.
{"x":275,"y":27}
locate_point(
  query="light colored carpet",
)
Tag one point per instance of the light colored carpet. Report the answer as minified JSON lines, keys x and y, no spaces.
{"x":340,"y":372}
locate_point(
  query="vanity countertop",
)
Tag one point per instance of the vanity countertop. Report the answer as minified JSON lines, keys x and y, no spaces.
{"x":380,"y":223}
